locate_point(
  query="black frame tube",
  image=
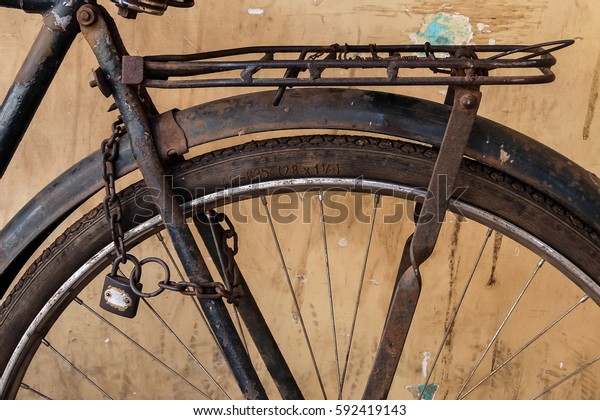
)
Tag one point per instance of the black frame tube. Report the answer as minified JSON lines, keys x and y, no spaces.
{"x":36,"y":73}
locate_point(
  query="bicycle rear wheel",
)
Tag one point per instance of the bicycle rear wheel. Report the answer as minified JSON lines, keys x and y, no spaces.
{"x":321,"y":260}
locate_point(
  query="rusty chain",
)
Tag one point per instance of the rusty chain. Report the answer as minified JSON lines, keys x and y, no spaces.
{"x":112,"y":204}
{"x":231,"y":289}
{"x":113,"y":212}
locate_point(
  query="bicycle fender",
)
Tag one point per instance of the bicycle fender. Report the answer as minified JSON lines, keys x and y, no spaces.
{"x":341,"y":109}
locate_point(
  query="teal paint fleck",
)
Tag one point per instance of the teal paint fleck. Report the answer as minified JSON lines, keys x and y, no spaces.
{"x":444,"y":29}
{"x":429,"y":392}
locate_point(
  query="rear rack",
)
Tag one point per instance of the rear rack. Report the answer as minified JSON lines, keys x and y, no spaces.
{"x":382,"y":66}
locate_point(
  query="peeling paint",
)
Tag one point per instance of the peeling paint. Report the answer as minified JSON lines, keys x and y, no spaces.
{"x":504,"y":156}
{"x":253,"y":11}
{"x":428,"y":391}
{"x":61,"y":22}
{"x":425,"y":362}
{"x":444,"y":29}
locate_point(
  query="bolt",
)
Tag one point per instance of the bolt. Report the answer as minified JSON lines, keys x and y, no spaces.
{"x":86,"y":16}
{"x":468,"y":101}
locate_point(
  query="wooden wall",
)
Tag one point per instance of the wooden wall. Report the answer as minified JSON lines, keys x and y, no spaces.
{"x":72,"y":120}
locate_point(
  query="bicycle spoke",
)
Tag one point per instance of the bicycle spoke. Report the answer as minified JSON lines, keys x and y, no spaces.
{"x":34,"y":391}
{"x":524,"y":347}
{"x":186,"y":348}
{"x":566,"y":378}
{"x":455,"y":313}
{"x":180,"y":275}
{"x":239,"y":325}
{"x":331,"y":307}
{"x":75,"y":368}
{"x":359,"y":293}
{"x":295,"y":300}
{"x":139,"y":346}
{"x":508,"y":315}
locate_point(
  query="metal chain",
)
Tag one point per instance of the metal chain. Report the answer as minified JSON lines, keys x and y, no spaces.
{"x":112,"y":204}
{"x":231,"y":289}
{"x":113,"y":213}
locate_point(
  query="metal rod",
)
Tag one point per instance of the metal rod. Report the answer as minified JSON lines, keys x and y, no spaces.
{"x":185,"y":348}
{"x":76,"y":369}
{"x":293,"y":294}
{"x":566,"y":378}
{"x":330,"y":294}
{"x":506,"y":318}
{"x":359,"y":294}
{"x":455,"y":312}
{"x":546,"y":77}
{"x":139,"y":346}
{"x":34,"y":391}
{"x":526,"y":345}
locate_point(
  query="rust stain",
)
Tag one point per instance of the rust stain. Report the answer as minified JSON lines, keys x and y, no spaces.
{"x":594,"y":90}
{"x":496,"y":253}
{"x":453,"y":263}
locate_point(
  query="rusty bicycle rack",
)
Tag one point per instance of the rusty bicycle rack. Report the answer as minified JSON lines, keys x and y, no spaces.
{"x":443,"y":61}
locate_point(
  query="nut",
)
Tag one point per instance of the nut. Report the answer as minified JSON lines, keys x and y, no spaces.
{"x":468,"y":101}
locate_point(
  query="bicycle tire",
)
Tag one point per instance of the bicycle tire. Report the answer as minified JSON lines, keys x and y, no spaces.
{"x":369,"y":158}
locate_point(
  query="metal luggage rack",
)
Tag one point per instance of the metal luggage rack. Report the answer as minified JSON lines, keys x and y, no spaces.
{"x":450,"y":65}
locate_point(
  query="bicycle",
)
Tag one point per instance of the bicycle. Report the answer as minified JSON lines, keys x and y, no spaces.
{"x":496,"y":162}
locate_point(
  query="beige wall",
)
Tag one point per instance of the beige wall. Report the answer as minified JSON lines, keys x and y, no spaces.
{"x":72,"y":120}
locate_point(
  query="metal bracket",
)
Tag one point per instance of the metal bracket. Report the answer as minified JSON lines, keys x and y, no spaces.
{"x":169,"y":138}
{"x":420,"y":245}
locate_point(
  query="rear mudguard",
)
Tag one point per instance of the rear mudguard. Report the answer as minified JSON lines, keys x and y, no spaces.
{"x":342,"y":109}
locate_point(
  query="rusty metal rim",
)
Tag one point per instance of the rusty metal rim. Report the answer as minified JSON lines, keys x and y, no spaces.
{"x":480,"y":216}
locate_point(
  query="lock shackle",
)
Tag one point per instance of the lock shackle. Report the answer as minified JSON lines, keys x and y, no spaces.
{"x":123,"y":259}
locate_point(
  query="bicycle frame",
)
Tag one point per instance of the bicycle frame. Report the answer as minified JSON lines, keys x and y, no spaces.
{"x":55,"y":38}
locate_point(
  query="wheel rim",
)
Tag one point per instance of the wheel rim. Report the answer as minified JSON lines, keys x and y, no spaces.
{"x":150,"y":226}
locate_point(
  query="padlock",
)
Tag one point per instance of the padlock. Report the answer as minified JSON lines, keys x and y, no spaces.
{"x":118,"y":297}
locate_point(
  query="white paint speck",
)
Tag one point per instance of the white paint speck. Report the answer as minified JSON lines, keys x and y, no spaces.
{"x":482,"y":27}
{"x":424,"y":363}
{"x":504,"y":156}
{"x":561,"y":366}
{"x":343,"y":242}
{"x":375,"y":282}
{"x":492,"y":41}
{"x":107,"y":340}
{"x":302,"y":278}
{"x":253,"y":11}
